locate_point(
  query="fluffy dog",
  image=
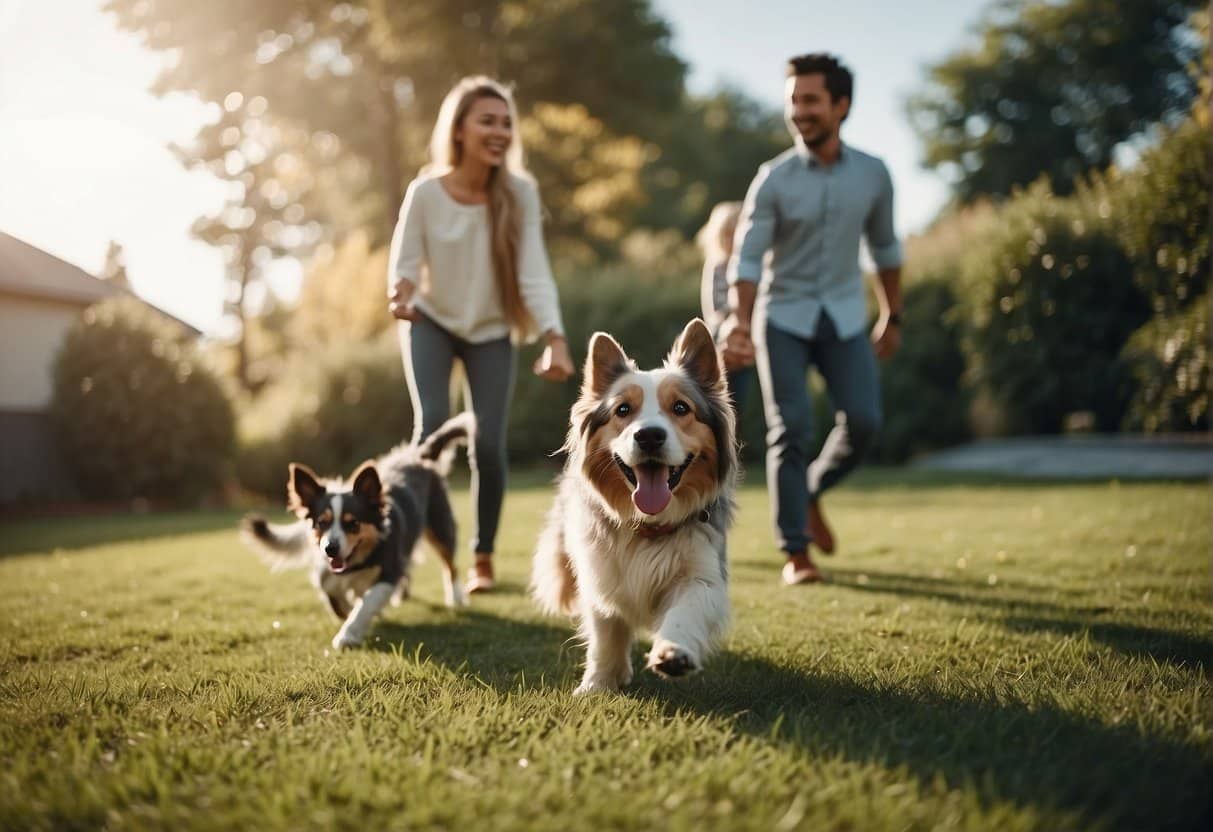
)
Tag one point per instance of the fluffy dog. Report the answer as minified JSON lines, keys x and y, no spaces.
{"x":359,"y":535}
{"x":636,"y":538}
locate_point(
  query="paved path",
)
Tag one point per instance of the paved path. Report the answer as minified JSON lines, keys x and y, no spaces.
{"x":1081,"y":457}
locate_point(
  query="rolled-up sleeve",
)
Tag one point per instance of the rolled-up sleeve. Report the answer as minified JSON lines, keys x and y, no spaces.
{"x":882,"y":240}
{"x":535,"y":280}
{"x":408,"y":243}
{"x":755,"y":229}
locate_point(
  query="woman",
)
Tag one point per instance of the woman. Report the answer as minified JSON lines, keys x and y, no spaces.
{"x":469,"y":278}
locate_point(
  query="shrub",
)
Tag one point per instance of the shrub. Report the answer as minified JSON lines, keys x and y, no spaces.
{"x":331,"y":409}
{"x":1169,"y":362}
{"x":136,"y":412}
{"x":1051,"y":300}
{"x":925,"y":403}
{"x":1161,"y":214}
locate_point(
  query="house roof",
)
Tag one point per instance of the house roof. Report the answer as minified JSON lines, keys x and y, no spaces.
{"x":31,"y":272}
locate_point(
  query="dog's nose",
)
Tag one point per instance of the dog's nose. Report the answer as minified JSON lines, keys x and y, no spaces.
{"x":650,"y":440}
{"x":332,"y":548}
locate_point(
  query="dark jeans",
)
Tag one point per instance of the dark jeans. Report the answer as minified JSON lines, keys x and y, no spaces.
{"x":848,"y":366}
{"x":739,"y":382}
{"x":429,"y":355}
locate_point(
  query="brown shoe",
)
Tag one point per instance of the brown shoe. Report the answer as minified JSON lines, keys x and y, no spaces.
{"x":800,"y":570}
{"x":480,"y":576}
{"x":818,"y":530}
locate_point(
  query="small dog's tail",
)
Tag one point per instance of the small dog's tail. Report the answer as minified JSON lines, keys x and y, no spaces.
{"x":280,"y":545}
{"x":439,"y":447}
{"x":553,"y":584}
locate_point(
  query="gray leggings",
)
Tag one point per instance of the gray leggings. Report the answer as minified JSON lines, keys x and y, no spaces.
{"x":429,"y":355}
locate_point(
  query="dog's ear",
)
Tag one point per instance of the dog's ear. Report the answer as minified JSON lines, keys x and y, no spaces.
{"x":695,"y":352}
{"x":302,"y":489}
{"x":605,"y":362}
{"x":367,"y":483}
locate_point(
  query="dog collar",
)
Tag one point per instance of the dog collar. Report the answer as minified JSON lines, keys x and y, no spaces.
{"x":651,"y":530}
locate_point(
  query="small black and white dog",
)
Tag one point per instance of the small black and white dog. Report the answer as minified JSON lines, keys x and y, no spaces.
{"x":359,"y":535}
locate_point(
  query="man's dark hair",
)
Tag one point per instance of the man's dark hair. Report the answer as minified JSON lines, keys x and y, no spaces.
{"x":839,"y":82}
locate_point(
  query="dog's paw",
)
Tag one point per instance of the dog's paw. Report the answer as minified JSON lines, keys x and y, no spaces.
{"x":595,"y":684}
{"x":669,"y":660}
{"x":605,"y":680}
{"x":402,"y":592}
{"x":453,"y":595}
{"x":346,"y":641}
{"x":624,"y":676}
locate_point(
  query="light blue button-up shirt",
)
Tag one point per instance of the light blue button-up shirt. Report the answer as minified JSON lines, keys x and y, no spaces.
{"x":798,"y":237}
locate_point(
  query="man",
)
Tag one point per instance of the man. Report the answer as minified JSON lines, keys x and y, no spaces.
{"x":797,"y":299}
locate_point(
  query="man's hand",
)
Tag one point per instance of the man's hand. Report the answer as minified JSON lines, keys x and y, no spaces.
{"x":400,"y":301}
{"x":886,"y":337}
{"x":737,"y":346}
{"x":555,"y":364}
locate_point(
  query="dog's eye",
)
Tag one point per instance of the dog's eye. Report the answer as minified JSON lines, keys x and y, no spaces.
{"x":323,"y":523}
{"x":350,"y":525}
{"x":623,"y":409}
{"x":681,"y":408}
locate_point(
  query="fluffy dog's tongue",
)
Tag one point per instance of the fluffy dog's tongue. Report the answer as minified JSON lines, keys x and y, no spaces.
{"x":652,"y":492}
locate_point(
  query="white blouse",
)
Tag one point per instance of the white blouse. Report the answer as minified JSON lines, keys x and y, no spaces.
{"x":442,"y":247}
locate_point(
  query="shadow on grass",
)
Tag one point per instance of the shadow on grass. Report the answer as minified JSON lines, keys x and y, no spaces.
{"x":46,"y":534}
{"x":1164,"y":646}
{"x":503,"y":652}
{"x":1033,"y":755}
{"x":1161,"y":645}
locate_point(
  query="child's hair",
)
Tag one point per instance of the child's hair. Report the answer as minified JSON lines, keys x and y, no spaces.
{"x":716,"y":236}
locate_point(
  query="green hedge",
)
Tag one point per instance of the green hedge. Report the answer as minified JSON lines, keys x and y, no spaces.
{"x":336,"y":407}
{"x":136,"y":412}
{"x":1169,"y":362}
{"x":1161,"y":213}
{"x":331,"y":409}
{"x":1051,"y":301}
{"x":926,"y":405}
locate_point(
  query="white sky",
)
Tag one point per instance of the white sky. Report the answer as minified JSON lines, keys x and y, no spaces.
{"x":83,"y":156}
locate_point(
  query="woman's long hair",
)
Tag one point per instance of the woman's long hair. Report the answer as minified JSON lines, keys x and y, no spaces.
{"x":505,"y":215}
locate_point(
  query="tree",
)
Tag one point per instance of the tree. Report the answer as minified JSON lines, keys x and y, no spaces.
{"x":1054,"y":88}
{"x":589,"y":179}
{"x":367,"y":77}
{"x":707,"y":151}
{"x":323,"y":109}
{"x":344,"y":296}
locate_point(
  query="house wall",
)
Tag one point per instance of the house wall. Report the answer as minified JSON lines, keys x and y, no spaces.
{"x":31,"y":332}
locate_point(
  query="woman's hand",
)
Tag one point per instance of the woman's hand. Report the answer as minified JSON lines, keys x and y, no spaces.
{"x":555,"y":364}
{"x":400,"y":301}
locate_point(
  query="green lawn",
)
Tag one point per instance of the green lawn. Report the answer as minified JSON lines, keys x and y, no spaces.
{"x":986,"y":656}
